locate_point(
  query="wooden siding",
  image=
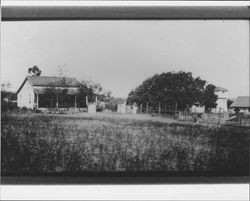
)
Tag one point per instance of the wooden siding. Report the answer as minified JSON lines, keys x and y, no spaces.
{"x":25,"y":97}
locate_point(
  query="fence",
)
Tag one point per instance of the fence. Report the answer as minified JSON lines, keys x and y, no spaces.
{"x":239,"y":119}
{"x":216,"y":118}
{"x":204,"y":118}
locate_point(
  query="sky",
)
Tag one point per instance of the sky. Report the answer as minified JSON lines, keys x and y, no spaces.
{"x":121,"y":54}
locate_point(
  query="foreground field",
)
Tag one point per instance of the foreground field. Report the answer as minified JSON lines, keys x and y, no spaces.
{"x":38,"y":143}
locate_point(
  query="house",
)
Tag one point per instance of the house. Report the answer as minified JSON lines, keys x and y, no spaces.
{"x":221,"y":100}
{"x":241,"y":104}
{"x":38,"y":92}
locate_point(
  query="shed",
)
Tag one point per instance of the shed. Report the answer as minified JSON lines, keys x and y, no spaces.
{"x":242,"y":104}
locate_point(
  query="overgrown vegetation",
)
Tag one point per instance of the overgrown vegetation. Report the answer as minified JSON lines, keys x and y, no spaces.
{"x":36,"y":143}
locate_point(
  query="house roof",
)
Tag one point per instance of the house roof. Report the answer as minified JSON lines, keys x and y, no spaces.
{"x":55,"y":81}
{"x":47,"y":81}
{"x":241,"y":101}
{"x":220,"y":89}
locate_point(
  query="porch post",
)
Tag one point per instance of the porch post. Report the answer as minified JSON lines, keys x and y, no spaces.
{"x":37,"y":100}
{"x":56,"y":102}
{"x":75,"y":102}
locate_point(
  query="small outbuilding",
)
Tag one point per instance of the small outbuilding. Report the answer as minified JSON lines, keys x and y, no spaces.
{"x":241,"y":104}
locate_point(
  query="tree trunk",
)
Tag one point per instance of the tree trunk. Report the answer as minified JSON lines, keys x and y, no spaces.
{"x":51,"y":101}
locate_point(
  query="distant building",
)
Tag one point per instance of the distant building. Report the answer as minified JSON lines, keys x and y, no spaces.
{"x":197,"y":109}
{"x":122,"y":108}
{"x":241,"y":104}
{"x":92,"y":108}
{"x":32,"y":92}
{"x":221,"y":100}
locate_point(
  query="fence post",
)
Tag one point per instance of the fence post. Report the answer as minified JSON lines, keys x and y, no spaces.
{"x":219,"y":116}
{"x":159,"y":109}
{"x":75,"y":102}
{"x":147,"y":108}
{"x":57,"y":102}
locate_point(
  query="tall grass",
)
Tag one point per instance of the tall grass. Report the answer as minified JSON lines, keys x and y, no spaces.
{"x":37,"y":143}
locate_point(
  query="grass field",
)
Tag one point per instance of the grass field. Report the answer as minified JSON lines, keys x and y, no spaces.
{"x":39,"y":143}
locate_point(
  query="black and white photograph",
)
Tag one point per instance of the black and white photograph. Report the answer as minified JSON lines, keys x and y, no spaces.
{"x":164,"y":98}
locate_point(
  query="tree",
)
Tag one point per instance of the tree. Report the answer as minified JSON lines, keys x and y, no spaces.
{"x":7,"y":97}
{"x":169,"y":89}
{"x":35,"y":71}
{"x":229,"y":103}
{"x":210,"y":97}
{"x":5,"y":86}
{"x":85,"y":90}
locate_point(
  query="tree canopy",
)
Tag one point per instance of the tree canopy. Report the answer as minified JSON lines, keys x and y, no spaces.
{"x":210,"y":97}
{"x":173,"y":88}
{"x":35,"y":71}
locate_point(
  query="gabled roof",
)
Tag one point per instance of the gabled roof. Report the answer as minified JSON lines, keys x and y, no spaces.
{"x":47,"y":81}
{"x":220,"y":89}
{"x":241,"y":101}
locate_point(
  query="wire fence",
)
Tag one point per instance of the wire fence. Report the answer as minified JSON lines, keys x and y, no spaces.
{"x":223,"y":118}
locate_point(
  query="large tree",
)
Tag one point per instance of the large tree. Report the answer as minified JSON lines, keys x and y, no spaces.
{"x":170,"y":89}
{"x":89,"y":91}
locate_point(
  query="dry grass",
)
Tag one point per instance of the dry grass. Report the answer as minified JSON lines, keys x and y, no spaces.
{"x":36,"y":143}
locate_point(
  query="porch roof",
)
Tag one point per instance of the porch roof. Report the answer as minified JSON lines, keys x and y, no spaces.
{"x":42,"y":90}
